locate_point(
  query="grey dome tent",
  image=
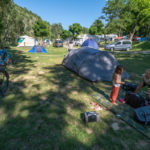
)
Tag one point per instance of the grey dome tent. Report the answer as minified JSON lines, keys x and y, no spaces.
{"x":92,"y":64}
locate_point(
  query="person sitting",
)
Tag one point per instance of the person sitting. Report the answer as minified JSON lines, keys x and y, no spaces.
{"x":145,"y":82}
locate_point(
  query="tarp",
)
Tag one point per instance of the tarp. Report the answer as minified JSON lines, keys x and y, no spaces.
{"x":90,"y":43}
{"x":124,"y":112}
{"x":38,"y":49}
{"x":92,"y":64}
{"x":143,"y":39}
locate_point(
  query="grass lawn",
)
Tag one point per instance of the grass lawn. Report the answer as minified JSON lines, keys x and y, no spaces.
{"x":141,"y":46}
{"x":42,"y":107}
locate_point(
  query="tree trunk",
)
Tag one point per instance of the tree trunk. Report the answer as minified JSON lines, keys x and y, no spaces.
{"x":132,"y":33}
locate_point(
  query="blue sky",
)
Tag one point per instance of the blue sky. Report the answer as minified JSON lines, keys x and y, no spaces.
{"x":66,"y":12}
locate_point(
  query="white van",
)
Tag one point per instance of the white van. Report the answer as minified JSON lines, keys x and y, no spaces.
{"x":119,"y":45}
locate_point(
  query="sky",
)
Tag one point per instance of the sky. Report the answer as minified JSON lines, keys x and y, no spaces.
{"x":66,"y":12}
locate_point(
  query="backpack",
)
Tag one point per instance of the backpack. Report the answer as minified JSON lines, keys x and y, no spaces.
{"x":129,"y":86}
{"x":142,"y":114}
{"x":4,"y":57}
{"x":134,"y":100}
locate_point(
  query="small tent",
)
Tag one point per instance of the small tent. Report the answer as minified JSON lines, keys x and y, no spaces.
{"x":26,"y":41}
{"x":38,"y":49}
{"x":90,"y":43}
{"x":92,"y":64}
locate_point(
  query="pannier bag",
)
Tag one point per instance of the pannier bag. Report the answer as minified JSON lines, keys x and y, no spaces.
{"x":134,"y":100}
{"x":142,"y":114}
{"x":129,"y":86}
{"x":4,"y":57}
{"x":91,"y":117}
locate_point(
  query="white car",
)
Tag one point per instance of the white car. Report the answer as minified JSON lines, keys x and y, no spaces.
{"x":119,"y":45}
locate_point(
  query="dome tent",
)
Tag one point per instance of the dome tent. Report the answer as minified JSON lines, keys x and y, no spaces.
{"x":38,"y":49}
{"x":90,"y":43}
{"x":92,"y":64}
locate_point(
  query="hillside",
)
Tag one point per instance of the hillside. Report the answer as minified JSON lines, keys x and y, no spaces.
{"x":28,"y":18}
{"x":15,"y":21}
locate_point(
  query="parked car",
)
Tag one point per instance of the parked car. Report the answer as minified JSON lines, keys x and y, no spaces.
{"x":119,"y":45}
{"x":58,"y":43}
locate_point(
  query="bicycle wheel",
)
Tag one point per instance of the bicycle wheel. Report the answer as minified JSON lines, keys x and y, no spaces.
{"x":4,"y":82}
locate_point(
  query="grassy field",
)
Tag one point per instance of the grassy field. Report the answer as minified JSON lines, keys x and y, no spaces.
{"x":42,"y":107}
{"x":141,"y":46}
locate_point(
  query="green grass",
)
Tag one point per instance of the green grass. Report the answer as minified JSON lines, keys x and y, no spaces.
{"x":42,"y":107}
{"x":141,"y":46}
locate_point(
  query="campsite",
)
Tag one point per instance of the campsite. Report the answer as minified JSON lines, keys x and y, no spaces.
{"x":58,"y":80}
{"x":44,"y":102}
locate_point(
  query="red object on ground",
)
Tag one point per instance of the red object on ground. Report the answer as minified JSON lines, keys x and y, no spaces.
{"x":121,"y":100}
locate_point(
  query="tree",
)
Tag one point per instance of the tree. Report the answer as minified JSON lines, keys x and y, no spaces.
{"x":113,"y":11}
{"x":5,"y":8}
{"x":41,"y":29}
{"x":75,"y":30}
{"x":127,"y":16}
{"x":97,"y":28}
{"x":65,"y":34}
{"x":14,"y":22}
{"x":139,"y":11}
{"x":93,"y":30}
{"x":56,"y":30}
{"x":85,"y":30}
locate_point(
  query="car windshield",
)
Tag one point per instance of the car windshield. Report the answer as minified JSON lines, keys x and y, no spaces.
{"x":58,"y":42}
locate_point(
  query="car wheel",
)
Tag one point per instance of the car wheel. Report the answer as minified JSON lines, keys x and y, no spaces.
{"x":112,"y":49}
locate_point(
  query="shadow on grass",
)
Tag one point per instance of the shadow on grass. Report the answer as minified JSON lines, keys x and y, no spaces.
{"x":50,"y":119}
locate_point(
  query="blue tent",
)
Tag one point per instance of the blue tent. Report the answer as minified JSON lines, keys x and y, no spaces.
{"x":38,"y":49}
{"x":143,"y":39}
{"x":90,"y":43}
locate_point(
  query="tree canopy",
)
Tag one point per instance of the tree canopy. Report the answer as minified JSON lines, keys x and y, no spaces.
{"x":56,"y":30}
{"x":41,"y":29}
{"x":127,"y":16}
{"x":75,"y":30}
{"x":97,"y":28}
{"x":65,"y":34}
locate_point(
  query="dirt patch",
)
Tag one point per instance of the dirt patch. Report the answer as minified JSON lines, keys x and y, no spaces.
{"x":115,"y":126}
{"x":89,"y":131}
{"x":29,"y":77}
{"x":40,"y":72}
{"x":96,"y":147}
{"x":74,"y":92}
{"x":141,"y":143}
{"x":43,"y":98}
